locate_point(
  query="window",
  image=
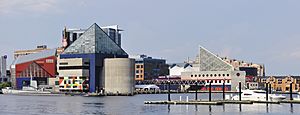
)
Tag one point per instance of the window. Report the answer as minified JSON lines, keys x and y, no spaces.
{"x":199,"y":75}
{"x":279,"y":81}
{"x":136,"y":76}
{"x":219,"y":81}
{"x":211,"y":75}
{"x":49,"y":61}
{"x":56,"y":82}
{"x":206,"y":75}
{"x":141,"y":71}
{"x":228,"y":81}
{"x":63,"y":63}
{"x":215,"y":75}
{"x":223,"y":75}
{"x":137,"y":66}
{"x":219,"y":75}
{"x":195,"y":75}
{"x":142,"y":66}
{"x":227,"y":75}
{"x":136,"y":71}
{"x":203,"y":75}
{"x":191,"y":75}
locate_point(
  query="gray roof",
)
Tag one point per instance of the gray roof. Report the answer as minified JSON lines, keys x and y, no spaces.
{"x":34,"y":56}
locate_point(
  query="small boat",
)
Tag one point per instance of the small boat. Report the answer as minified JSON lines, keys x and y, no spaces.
{"x":258,"y":95}
{"x":297,"y":98}
{"x":24,"y":91}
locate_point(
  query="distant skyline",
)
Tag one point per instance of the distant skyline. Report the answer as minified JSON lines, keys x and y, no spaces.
{"x":265,"y":32}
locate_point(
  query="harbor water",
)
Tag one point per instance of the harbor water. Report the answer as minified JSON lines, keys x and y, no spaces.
{"x":130,"y":105}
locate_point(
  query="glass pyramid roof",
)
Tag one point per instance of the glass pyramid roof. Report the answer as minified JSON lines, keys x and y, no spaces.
{"x":94,"y":40}
{"x":211,"y":62}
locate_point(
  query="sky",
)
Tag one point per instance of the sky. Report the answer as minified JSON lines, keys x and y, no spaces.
{"x":259,"y":31}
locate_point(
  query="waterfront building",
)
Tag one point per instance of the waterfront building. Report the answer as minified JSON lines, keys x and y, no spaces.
{"x":282,"y":83}
{"x":38,"y":49}
{"x":40,"y":66}
{"x":212,"y":69}
{"x":253,"y":70}
{"x":3,"y":72}
{"x":93,"y":45}
{"x":148,"y":68}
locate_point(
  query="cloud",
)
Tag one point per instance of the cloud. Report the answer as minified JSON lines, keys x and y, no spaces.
{"x":19,"y":6}
{"x":295,"y":54}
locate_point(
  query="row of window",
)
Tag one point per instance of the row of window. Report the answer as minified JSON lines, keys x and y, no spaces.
{"x":211,"y":75}
{"x":138,"y":76}
{"x":139,"y":66}
{"x":138,"y":71}
{"x":217,"y":81}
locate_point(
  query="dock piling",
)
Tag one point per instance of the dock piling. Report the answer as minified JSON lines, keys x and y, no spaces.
{"x":223,"y":90}
{"x":187,"y":98}
{"x":209,"y":94}
{"x":291,"y":91}
{"x":270,"y":88}
{"x":267,"y":92}
{"x":169,"y":95}
{"x":196,"y":95}
{"x":240,"y":91}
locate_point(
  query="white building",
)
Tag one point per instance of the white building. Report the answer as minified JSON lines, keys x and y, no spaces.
{"x":176,"y":69}
{"x":212,"y":69}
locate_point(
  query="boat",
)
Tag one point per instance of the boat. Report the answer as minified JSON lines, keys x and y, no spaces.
{"x":258,"y":95}
{"x":24,"y":91}
{"x":32,"y":89}
{"x":297,"y":98}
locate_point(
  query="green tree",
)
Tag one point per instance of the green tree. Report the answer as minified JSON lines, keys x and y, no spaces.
{"x":5,"y":84}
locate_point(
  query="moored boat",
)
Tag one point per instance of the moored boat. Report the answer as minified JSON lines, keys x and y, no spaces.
{"x":258,"y":95}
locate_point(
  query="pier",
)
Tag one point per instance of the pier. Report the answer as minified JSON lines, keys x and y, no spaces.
{"x":219,"y":102}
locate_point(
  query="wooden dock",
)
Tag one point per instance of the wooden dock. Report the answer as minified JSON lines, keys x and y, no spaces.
{"x":219,"y":102}
{"x":185,"y":103}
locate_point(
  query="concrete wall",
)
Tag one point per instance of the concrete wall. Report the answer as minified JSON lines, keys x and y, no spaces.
{"x":119,"y":75}
{"x":237,"y":76}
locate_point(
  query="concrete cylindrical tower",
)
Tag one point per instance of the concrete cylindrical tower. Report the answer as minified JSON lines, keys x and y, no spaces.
{"x":119,"y":76}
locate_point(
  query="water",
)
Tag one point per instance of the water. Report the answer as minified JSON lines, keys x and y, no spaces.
{"x":133,"y":105}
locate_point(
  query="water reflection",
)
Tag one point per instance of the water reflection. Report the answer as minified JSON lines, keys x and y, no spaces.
{"x":267,"y":108}
{"x":292,"y":108}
